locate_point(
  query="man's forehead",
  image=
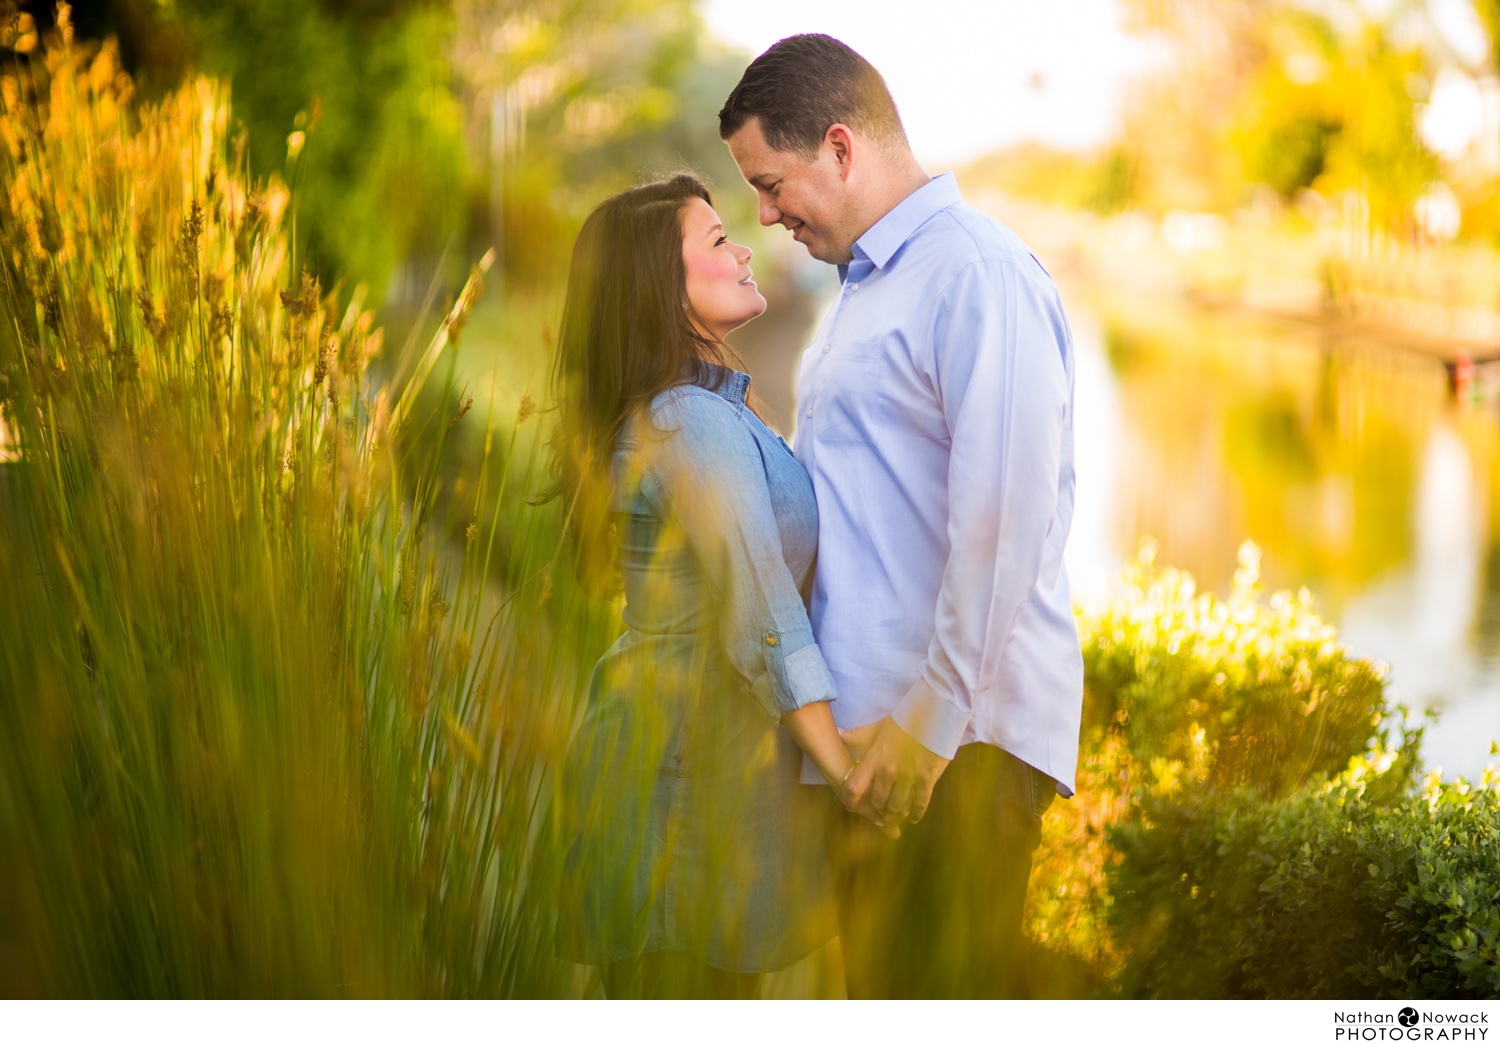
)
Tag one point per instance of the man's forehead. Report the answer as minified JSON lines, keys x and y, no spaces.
{"x":758,"y":161}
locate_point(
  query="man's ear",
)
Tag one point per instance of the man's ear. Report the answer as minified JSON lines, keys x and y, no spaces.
{"x":839,"y":139}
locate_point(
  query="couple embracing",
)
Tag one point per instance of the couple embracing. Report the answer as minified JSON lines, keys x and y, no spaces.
{"x":850,"y":683}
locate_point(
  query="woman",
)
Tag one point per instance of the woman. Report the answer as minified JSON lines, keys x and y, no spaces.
{"x":697,"y":858}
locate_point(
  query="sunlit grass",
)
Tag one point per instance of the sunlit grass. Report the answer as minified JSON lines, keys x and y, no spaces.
{"x":266,"y":729}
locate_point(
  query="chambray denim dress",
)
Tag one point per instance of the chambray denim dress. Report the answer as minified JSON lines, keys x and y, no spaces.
{"x":690,"y":830}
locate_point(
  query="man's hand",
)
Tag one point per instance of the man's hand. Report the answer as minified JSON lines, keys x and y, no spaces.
{"x":894,"y":779}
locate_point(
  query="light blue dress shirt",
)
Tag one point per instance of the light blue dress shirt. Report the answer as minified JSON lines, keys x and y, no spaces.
{"x":935,"y":417}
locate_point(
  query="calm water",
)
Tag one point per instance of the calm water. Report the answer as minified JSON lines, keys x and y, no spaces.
{"x":1349,"y":464}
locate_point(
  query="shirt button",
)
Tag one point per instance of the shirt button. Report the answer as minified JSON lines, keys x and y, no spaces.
{"x":854,"y":287}
{"x":770,"y":637}
{"x":809,"y":413}
{"x":827,"y":348}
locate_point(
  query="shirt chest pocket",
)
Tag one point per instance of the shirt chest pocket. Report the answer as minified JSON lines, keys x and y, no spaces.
{"x":850,"y":400}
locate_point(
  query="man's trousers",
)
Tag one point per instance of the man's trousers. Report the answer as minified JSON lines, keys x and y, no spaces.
{"x":937,"y":913}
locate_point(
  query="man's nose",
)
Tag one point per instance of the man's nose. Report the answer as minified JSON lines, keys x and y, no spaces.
{"x":770,"y":215}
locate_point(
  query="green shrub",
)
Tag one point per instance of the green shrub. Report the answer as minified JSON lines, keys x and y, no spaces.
{"x":1187,"y":697}
{"x":1223,"y":694}
{"x":1354,"y":889}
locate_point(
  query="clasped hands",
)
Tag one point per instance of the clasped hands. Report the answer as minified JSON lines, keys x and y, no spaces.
{"x":892,"y":780}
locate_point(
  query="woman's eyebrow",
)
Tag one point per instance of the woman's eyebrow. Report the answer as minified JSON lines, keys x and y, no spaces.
{"x":716,"y":226}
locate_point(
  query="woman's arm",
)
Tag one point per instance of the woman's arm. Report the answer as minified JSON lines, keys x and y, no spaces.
{"x":708,"y":473}
{"x":813,"y":729}
{"x":705,"y":472}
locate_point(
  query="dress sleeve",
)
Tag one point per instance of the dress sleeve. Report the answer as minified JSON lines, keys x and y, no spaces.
{"x":705,"y":471}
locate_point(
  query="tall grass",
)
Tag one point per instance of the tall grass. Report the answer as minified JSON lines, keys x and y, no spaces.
{"x":264,"y":727}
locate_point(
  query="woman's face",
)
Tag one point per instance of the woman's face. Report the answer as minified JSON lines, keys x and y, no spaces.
{"x":719,"y":287}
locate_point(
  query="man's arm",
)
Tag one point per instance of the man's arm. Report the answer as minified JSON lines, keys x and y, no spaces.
{"x":999,"y":344}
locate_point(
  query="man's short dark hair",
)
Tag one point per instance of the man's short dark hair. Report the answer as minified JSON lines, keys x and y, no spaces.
{"x":804,"y":85}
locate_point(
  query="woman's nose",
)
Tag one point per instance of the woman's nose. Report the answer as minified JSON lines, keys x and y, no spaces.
{"x":742,"y":254}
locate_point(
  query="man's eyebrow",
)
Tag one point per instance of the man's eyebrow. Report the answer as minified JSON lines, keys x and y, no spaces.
{"x":763,"y":182}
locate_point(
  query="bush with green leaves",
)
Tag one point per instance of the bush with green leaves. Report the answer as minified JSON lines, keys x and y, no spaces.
{"x":1188,"y":696}
{"x":1224,"y":694}
{"x":1364,"y":887}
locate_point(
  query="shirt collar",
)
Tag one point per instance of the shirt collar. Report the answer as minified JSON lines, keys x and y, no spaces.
{"x":895,"y":228}
{"x":732,"y":386}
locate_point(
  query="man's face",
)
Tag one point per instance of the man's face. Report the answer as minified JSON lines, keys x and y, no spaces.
{"x":807,"y":195}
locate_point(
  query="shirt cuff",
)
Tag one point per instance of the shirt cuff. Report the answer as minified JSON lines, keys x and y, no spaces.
{"x":932,"y":721}
{"x":794,"y":680}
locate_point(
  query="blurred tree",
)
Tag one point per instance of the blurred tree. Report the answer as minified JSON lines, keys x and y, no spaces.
{"x":1285,"y":94}
{"x":362,"y":85}
{"x":381,"y":167}
{"x":413,"y":126}
{"x":569,"y":100}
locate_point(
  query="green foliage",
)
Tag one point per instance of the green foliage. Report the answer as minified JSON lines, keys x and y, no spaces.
{"x":261,"y":731}
{"x":1251,"y":838}
{"x":1290,"y":154}
{"x":382,"y":173}
{"x":1188,"y":697}
{"x":586,"y":97}
{"x":1223,"y":694}
{"x":1355,"y":889}
{"x":1272,"y":93}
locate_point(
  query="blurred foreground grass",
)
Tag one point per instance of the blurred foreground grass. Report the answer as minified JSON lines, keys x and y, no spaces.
{"x":265,"y":730}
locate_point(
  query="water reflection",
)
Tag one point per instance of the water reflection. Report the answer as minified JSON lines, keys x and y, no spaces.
{"x":1348,"y":464}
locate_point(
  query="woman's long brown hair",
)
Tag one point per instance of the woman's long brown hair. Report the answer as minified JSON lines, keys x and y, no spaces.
{"x":627,"y":334}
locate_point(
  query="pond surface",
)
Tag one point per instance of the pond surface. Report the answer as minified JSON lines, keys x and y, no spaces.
{"x":1349,"y":464}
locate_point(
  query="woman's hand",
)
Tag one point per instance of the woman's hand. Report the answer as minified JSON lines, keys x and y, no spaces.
{"x":813,"y":728}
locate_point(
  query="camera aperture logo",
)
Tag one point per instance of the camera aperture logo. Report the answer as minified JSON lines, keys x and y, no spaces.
{"x":1409,"y":1025}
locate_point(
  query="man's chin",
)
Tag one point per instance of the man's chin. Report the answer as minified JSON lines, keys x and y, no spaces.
{"x":820,"y":251}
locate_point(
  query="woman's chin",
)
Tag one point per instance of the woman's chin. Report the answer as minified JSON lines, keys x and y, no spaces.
{"x":752,"y":309}
{"x":750,"y":317}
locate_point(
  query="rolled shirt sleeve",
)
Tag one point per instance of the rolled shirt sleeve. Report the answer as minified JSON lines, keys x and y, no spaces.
{"x":708,"y":473}
{"x":998,"y":367}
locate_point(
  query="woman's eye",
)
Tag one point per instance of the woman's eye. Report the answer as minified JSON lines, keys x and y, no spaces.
{"x":720,"y":241}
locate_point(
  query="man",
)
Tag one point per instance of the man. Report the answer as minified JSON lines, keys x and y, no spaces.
{"x":936,"y":421}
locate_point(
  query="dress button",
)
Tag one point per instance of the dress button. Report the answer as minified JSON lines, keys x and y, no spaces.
{"x":770,"y":637}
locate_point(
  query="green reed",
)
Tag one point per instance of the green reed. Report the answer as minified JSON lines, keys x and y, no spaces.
{"x":266,"y":727}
